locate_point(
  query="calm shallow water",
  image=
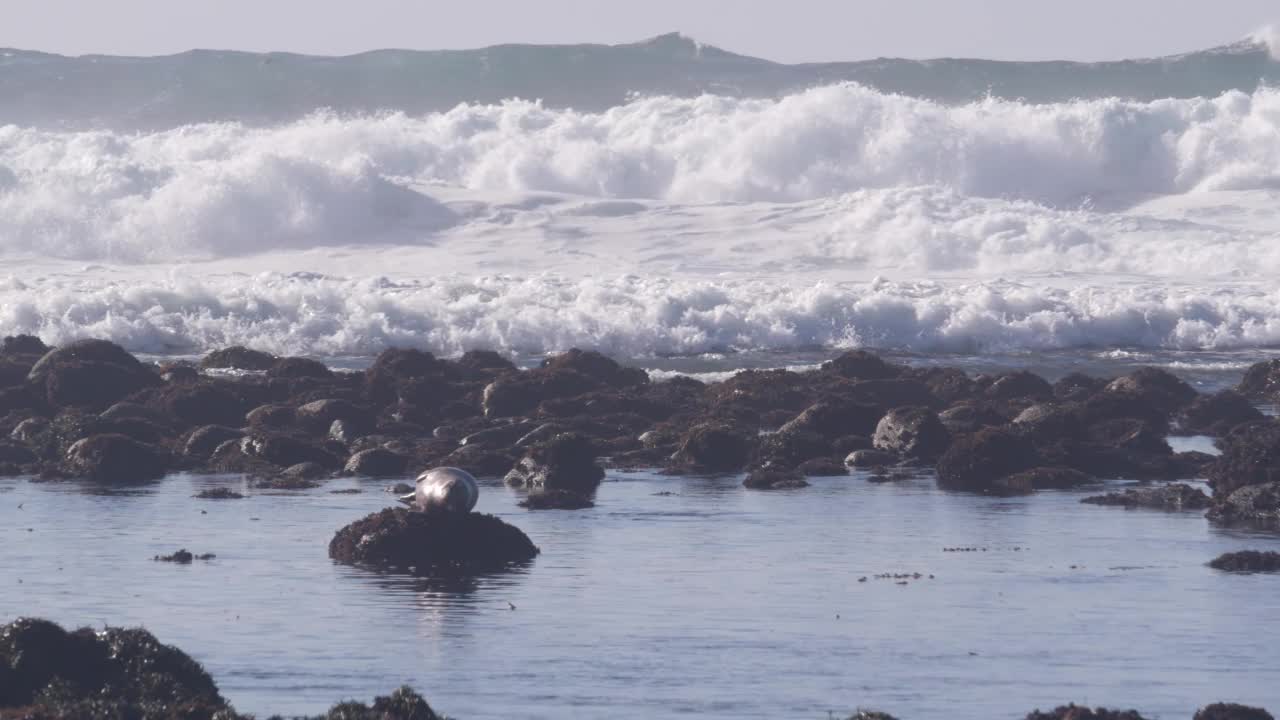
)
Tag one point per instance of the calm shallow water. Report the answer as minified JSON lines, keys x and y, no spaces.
{"x":712,"y":601}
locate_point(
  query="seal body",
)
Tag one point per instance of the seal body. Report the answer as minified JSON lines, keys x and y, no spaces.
{"x":445,"y":489}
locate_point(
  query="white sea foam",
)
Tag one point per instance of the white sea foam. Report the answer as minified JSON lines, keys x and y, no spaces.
{"x":662,"y":226}
{"x":629,"y":316}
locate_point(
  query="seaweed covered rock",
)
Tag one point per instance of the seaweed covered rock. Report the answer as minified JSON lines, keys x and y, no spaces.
{"x":90,"y":374}
{"x":1247,"y":561}
{"x":1042,"y":478}
{"x":403,"y":704}
{"x":1250,"y":456}
{"x":1020,"y":385}
{"x":599,"y":367}
{"x":1252,"y":505}
{"x":376,"y":462}
{"x":565,"y":462}
{"x":1076,"y":712}
{"x":1231,"y":711}
{"x":832,"y":419}
{"x":912,"y":432}
{"x":861,"y":365}
{"x":238,"y":357}
{"x":789,"y":449}
{"x":432,"y":542}
{"x":975,"y":462}
{"x":519,"y":394}
{"x":117,"y":672}
{"x":201,"y":442}
{"x":556,"y":500}
{"x":713,"y":448}
{"x":1261,"y":381}
{"x":1217,"y":414}
{"x":395,"y":368}
{"x":294,"y":368}
{"x":1156,"y":388}
{"x":115,"y":459}
{"x":1177,"y":496}
{"x":774,"y":479}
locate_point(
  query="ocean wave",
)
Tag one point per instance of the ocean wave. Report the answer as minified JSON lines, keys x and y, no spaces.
{"x":628,"y":316}
{"x":219,"y":190}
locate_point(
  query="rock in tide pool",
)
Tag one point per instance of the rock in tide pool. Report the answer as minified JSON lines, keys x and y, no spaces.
{"x":556,"y":500}
{"x":1247,"y":561}
{"x":1165,"y":497}
{"x":432,"y":542}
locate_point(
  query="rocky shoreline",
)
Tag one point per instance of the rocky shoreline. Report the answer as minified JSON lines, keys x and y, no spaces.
{"x":92,"y":410}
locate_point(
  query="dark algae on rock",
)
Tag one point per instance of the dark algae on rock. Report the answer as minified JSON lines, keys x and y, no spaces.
{"x":1247,"y":561}
{"x":48,"y":673}
{"x":432,"y":542}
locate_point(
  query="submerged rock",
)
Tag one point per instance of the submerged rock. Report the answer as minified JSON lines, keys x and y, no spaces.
{"x":1164,"y":497}
{"x":432,"y":542}
{"x":1042,"y":478}
{"x":183,"y":557}
{"x":774,"y":479}
{"x":220,"y":493}
{"x":556,"y":500}
{"x":713,"y":448}
{"x":1247,"y":561}
{"x":1075,"y":712}
{"x":1231,"y":711}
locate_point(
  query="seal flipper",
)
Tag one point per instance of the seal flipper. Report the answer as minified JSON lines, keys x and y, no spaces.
{"x":408,"y":499}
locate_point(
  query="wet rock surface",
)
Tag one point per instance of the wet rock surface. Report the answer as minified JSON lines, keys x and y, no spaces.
{"x":556,"y":500}
{"x":1252,"y":505}
{"x":1231,"y":711}
{"x":1177,"y":496}
{"x":1076,"y":712}
{"x":49,"y":673}
{"x":432,"y":542}
{"x":1247,"y":561}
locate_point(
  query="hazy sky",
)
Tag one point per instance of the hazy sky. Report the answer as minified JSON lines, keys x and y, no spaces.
{"x":787,"y":30}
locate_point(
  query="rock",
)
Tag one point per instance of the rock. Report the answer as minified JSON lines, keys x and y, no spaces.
{"x":219,"y":493}
{"x":482,"y":461}
{"x":320,"y":415}
{"x":949,"y":385}
{"x":566,"y":462}
{"x":1163,"y":497}
{"x":970,"y":417}
{"x":271,"y":417}
{"x":183,"y":557}
{"x":294,"y":368}
{"x":1216,"y":415}
{"x":114,"y":672}
{"x":975,"y":462}
{"x":376,"y":463}
{"x":238,"y":358}
{"x":713,"y":448}
{"x":1073,"y":712}
{"x":1046,"y":422}
{"x":1156,"y":388}
{"x":1231,"y":711}
{"x":446,"y":543}
{"x":115,"y":459}
{"x":786,"y":450}
{"x":23,"y":346}
{"x":861,"y":365}
{"x":30,"y":429}
{"x":1261,"y":381}
{"x":1130,"y":434}
{"x":1077,"y":386}
{"x":1251,"y":505}
{"x":556,"y":500}
{"x":870,"y":715}
{"x":599,"y":367}
{"x":842,"y":446}
{"x":202,"y":441}
{"x":284,"y":451}
{"x":870,"y":458}
{"x":1046,"y":478}
{"x":1247,"y":561}
{"x":822,"y":467}
{"x":835,"y":418}
{"x":519,"y":394}
{"x":208,"y":402}
{"x":90,"y":374}
{"x":912,"y":432}
{"x":485,"y":362}
{"x":403,"y":704}
{"x":394,"y":368}
{"x":889,"y":394}
{"x":768,"y":479}
{"x":1020,"y":385}
{"x":177,"y":374}
{"x":499,"y":436}
{"x":1250,"y":456}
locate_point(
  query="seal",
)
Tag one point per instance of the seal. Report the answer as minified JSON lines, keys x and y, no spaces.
{"x":446,"y":489}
